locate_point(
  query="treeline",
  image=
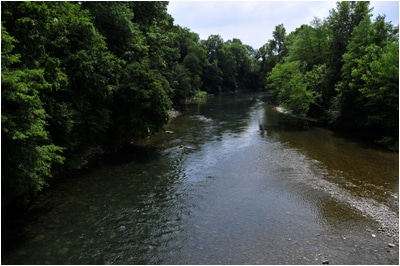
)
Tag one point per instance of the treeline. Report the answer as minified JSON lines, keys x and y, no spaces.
{"x":343,"y":70}
{"x":80,"y":76}
{"x":83,"y":76}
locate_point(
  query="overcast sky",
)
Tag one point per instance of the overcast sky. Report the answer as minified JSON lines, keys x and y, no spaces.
{"x":254,"y":21}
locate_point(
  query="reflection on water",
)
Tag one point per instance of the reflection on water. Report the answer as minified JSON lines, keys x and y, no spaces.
{"x":235,"y":184}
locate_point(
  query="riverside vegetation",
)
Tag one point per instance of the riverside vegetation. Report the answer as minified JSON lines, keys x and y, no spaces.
{"x":76,"y":76}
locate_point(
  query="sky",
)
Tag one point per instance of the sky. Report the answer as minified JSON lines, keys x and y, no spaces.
{"x":254,"y":21}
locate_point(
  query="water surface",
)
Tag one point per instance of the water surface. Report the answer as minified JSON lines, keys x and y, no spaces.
{"x":237,"y":183}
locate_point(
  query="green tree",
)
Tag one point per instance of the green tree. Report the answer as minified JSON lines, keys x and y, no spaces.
{"x":271,"y":53}
{"x":288,"y":83}
{"x":212,"y":78}
{"x":147,"y":13}
{"x":316,"y":80}
{"x":309,"y":44}
{"x":114,"y":20}
{"x":279,"y":40}
{"x":61,"y":38}
{"x":266,"y":60}
{"x":56,"y":94}
{"x":195,"y":61}
{"x":187,"y":69}
{"x":242,"y":63}
{"x":27,"y":151}
{"x":214,"y":47}
{"x":227,"y":64}
{"x":341,"y":23}
{"x":368,"y":93}
{"x":140,"y":106}
{"x":381,"y":93}
{"x":352,"y":109}
{"x":147,"y":45}
{"x":212,"y":75}
{"x":353,"y":85}
{"x":231,"y":65}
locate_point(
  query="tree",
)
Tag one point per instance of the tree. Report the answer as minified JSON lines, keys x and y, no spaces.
{"x":242,"y":62}
{"x":266,"y":60}
{"x":140,"y":106}
{"x":186,"y":71}
{"x":27,"y":151}
{"x":369,"y":90}
{"x":147,"y":46}
{"x":212,"y":75}
{"x":309,"y":44}
{"x":227,"y":64}
{"x":55,"y":96}
{"x":81,"y":70}
{"x":316,"y":80}
{"x":346,"y":84}
{"x":195,"y":61}
{"x":341,"y":23}
{"x":148,"y":13}
{"x":279,"y":40}
{"x":381,"y":93}
{"x":351,"y":112}
{"x":288,"y":83}
{"x":114,"y":20}
{"x":271,"y":53}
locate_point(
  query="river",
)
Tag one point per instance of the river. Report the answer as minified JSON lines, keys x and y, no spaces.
{"x":234,"y":182}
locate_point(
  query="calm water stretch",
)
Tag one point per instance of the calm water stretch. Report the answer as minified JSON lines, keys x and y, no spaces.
{"x":236,"y":183}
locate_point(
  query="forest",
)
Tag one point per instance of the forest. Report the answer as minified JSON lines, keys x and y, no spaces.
{"x":82,"y":78}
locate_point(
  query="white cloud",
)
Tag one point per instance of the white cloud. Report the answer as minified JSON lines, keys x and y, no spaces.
{"x":389,"y":8}
{"x":254,"y":21}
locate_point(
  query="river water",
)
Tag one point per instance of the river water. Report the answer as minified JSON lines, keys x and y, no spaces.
{"x":236,"y":183}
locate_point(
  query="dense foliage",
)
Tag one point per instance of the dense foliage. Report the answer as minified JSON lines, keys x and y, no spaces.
{"x":84,"y":76}
{"x":343,"y":70}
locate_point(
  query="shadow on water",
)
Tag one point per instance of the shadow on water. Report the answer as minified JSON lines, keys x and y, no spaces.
{"x":127,"y":154}
{"x":13,"y":220}
{"x":102,"y":216}
{"x":51,"y":209}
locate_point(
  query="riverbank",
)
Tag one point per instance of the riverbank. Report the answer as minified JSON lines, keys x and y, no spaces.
{"x":363,"y":135}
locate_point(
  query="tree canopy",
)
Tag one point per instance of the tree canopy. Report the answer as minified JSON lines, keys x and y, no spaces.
{"x":342,"y":70}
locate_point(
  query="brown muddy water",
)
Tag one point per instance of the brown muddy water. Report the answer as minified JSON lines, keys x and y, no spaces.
{"x":236,"y":183}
